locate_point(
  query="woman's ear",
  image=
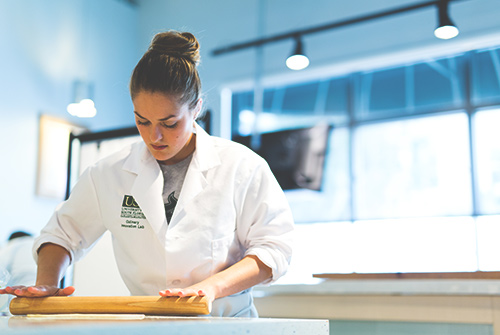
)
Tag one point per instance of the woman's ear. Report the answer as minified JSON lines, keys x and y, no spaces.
{"x":197,"y":108}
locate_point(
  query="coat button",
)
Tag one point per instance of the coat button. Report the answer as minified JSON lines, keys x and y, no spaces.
{"x":176,"y":282}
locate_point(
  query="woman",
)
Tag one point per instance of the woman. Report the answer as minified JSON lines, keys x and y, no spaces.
{"x":190,"y":214}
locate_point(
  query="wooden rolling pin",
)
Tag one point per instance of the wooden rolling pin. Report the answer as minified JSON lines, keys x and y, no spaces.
{"x":149,"y":305}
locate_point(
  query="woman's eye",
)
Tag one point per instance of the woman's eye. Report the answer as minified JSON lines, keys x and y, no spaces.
{"x":146,"y":123}
{"x":170,"y":125}
{"x":142,"y":123}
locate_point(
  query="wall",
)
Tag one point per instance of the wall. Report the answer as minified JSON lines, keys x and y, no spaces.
{"x":45,"y":47}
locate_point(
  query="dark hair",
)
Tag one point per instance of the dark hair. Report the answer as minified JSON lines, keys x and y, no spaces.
{"x":169,"y":67}
{"x":18,"y":234}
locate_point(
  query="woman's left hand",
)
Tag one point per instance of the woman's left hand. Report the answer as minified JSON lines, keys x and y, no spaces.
{"x":246,"y":273}
{"x":191,"y":291}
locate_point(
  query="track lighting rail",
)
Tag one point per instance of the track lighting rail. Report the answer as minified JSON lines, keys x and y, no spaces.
{"x":337,"y":24}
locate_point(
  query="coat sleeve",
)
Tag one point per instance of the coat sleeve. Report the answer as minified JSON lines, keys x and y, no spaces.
{"x":265,"y":224}
{"x":76,"y":223}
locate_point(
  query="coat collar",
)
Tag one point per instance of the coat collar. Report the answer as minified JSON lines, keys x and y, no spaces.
{"x":148,"y":186}
{"x":204,"y":158}
{"x":205,"y":155}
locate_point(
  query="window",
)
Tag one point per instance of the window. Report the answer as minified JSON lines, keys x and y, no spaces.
{"x":439,"y":84}
{"x":336,"y":100}
{"x":412,"y":168}
{"x":385,"y":92}
{"x":300,"y":99}
{"x":485,"y":66}
{"x":487,"y":149}
{"x":412,"y":89}
{"x":398,"y":194}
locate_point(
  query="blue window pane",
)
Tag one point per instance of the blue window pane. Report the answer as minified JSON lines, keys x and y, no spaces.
{"x":387,"y":90}
{"x":244,"y":100}
{"x":411,"y":89}
{"x":439,"y":83}
{"x":486,"y":76}
{"x":241,"y":101}
{"x":300,"y":98}
{"x":336,"y":100}
{"x":268,"y":99}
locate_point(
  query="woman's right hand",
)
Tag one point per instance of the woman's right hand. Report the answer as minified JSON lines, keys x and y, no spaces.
{"x":37,"y":291}
{"x":53,"y":261}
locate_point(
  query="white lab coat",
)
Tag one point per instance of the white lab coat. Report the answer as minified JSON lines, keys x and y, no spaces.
{"x":230,"y":206}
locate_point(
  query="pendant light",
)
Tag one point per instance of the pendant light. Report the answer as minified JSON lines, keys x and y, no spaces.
{"x":446,"y":28}
{"x":297,"y":60}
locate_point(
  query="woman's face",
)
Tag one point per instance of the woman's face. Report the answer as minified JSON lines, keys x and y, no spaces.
{"x":165,"y":125}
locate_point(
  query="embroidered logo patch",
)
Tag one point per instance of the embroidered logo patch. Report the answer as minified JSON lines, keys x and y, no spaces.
{"x":131,"y":209}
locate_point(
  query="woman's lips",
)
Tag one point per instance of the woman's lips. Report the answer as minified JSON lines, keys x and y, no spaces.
{"x":158,"y":147}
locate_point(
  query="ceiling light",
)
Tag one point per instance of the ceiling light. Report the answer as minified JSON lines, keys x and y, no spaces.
{"x":446,"y":28}
{"x":84,"y":108}
{"x":297,"y":60}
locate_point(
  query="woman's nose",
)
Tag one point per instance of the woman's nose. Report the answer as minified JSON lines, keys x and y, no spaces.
{"x":156,"y":134}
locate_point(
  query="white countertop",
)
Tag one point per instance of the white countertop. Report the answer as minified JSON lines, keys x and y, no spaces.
{"x":21,"y":325}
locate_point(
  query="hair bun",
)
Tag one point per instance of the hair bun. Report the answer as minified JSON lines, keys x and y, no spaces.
{"x":177,"y":44}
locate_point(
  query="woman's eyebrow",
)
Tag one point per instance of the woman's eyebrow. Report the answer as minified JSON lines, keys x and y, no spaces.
{"x":139,"y":115}
{"x":164,"y":119}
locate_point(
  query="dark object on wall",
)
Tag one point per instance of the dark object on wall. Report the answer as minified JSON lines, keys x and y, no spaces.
{"x":295,"y":156}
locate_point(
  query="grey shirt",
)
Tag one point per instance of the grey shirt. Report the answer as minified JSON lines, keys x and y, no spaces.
{"x":173,"y":178}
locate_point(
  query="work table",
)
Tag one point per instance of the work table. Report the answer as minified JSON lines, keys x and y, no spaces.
{"x":22,"y":325}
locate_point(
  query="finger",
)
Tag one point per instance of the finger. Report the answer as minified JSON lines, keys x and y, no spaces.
{"x":188,"y":292}
{"x":178,"y":292}
{"x":6,"y":290}
{"x":165,"y":293}
{"x":19,"y":291}
{"x":171,"y":293}
{"x":66,"y":291}
{"x":12,"y":289}
{"x":22,"y":292}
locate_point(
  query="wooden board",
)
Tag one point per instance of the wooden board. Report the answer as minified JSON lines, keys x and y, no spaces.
{"x":149,"y":305}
